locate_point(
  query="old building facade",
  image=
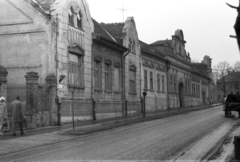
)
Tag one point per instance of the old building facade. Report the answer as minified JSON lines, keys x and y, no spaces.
{"x":75,"y":67}
{"x":154,"y":78}
{"x":187,"y":85}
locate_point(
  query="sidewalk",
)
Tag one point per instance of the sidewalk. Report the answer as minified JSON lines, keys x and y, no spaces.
{"x":54,"y":134}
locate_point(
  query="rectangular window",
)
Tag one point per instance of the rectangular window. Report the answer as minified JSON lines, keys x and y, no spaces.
{"x":175,"y":87}
{"x":145,"y":80}
{"x":98,"y":75}
{"x":192,"y":89}
{"x":75,"y":70}
{"x":108,"y":78}
{"x":116,"y":79}
{"x":163,"y":83}
{"x":132,"y":81}
{"x":151,"y":80}
{"x":158,"y":82}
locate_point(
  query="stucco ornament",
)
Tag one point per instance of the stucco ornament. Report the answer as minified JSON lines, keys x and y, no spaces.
{"x":75,"y":7}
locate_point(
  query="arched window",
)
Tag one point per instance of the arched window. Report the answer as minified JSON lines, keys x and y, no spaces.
{"x":71,"y":16}
{"x":79,"y":20}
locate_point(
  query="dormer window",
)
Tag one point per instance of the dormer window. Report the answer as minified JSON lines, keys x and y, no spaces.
{"x":79,"y":20}
{"x":71,"y":16}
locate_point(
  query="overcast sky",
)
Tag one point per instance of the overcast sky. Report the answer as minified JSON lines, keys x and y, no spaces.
{"x":206,"y":24}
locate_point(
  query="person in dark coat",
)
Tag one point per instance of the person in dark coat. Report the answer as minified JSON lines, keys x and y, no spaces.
{"x":17,"y":115}
{"x":237,"y":97}
{"x":231,"y":97}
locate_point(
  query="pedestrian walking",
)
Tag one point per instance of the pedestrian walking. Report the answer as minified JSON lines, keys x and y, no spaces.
{"x":17,"y":115}
{"x":3,"y":114}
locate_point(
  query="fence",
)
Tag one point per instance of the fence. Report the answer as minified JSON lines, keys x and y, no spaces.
{"x":14,"y":90}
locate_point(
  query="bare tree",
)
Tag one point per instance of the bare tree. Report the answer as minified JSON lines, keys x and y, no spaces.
{"x":236,"y":66}
{"x":221,"y":70}
{"x":237,"y":23}
{"x":235,"y":76}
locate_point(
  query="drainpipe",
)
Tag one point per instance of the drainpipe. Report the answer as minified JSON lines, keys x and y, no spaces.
{"x":92,"y":94}
{"x":124,"y":108}
{"x":57,"y":98}
{"x":167,"y":65}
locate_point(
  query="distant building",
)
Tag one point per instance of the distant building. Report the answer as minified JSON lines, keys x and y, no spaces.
{"x":231,"y":83}
{"x":188,"y":83}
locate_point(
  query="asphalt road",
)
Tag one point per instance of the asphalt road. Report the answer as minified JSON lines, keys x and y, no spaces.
{"x":161,"y":139}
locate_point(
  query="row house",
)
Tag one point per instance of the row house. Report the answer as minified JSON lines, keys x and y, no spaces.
{"x":75,"y":67}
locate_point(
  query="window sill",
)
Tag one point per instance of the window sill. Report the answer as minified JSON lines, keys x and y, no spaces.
{"x":98,"y":90}
{"x":158,"y":91}
{"x":75,"y":27}
{"x":108,"y":91}
{"x":117,"y":92}
{"x":76,"y":86}
{"x":145,"y":90}
{"x":151,"y":90}
{"x":132,"y":93}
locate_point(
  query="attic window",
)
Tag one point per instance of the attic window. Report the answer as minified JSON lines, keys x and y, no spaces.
{"x":71,"y":17}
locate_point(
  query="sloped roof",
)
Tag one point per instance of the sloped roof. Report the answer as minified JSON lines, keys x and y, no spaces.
{"x":99,"y":30}
{"x":43,"y":6}
{"x":161,"y":43}
{"x":115,"y":29}
{"x":200,"y":68}
{"x":150,"y":50}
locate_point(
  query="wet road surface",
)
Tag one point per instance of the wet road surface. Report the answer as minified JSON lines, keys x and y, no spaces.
{"x":161,"y":139}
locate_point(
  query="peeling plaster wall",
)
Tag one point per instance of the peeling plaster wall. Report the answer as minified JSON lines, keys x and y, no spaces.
{"x":25,"y":41}
{"x":60,"y":8}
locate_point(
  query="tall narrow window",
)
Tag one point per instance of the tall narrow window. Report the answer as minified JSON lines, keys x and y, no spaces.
{"x":163,"y":89}
{"x":171,"y":84}
{"x":98,"y":75}
{"x":79,"y":20}
{"x":116,"y":79}
{"x":132,"y":81}
{"x":75,"y":70}
{"x":175,"y":84}
{"x":108,"y":79}
{"x":192,"y":89}
{"x":133,"y":46}
{"x":71,"y":16}
{"x":145,"y":80}
{"x":158,"y":82}
{"x":151,"y":80}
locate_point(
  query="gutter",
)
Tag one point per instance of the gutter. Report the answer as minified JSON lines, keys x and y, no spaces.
{"x":124,"y":104}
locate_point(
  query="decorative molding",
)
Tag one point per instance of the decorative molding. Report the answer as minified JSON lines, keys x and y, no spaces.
{"x":132,"y":67}
{"x":103,"y":48}
{"x":107,"y":61}
{"x":195,"y":79}
{"x":51,"y":79}
{"x":32,"y":77}
{"x":75,"y":7}
{"x":76,"y":49}
{"x":161,"y":68}
{"x":98,"y":58}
